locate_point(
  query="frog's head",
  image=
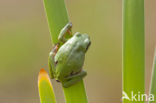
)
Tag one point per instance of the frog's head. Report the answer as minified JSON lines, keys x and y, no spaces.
{"x":84,"y":41}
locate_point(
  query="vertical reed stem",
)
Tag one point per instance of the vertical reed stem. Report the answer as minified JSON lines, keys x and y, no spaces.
{"x":57,"y":19}
{"x":133,"y":48}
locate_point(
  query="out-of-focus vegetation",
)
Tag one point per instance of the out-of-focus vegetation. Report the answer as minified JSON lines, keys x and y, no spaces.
{"x":45,"y":88}
{"x":25,"y":44}
{"x":153,"y":79}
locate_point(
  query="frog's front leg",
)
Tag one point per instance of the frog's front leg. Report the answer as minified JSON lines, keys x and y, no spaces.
{"x":51,"y":60}
{"x":70,"y":80}
{"x":66,"y":30}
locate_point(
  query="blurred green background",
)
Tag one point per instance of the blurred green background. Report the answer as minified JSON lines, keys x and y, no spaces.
{"x":25,"y":44}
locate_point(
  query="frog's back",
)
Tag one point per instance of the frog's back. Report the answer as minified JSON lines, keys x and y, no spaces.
{"x":67,"y":51}
{"x":70,"y":58}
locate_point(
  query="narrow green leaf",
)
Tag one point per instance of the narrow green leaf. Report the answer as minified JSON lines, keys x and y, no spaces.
{"x":76,"y":93}
{"x":57,"y":19}
{"x":153,"y":81}
{"x":45,"y":88}
{"x":133,"y":48}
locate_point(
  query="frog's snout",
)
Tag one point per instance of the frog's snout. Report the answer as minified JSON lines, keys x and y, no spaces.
{"x":87,"y":41}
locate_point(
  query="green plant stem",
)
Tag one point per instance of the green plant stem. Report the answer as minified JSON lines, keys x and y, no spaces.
{"x":72,"y":92}
{"x":133,"y":47}
{"x":57,"y":19}
{"x":153,"y":80}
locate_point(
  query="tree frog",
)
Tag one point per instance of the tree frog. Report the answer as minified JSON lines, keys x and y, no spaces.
{"x":66,"y":61}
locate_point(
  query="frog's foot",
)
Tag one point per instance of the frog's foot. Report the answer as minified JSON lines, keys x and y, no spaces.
{"x":66,"y":30}
{"x":70,"y":80}
{"x":55,"y":49}
{"x":51,"y":61}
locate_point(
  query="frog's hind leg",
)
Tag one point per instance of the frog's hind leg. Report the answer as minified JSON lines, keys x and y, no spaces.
{"x":51,"y":60}
{"x":66,"y":30}
{"x":70,"y":80}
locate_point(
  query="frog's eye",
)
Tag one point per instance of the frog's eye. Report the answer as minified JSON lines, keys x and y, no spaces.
{"x":88,"y":45}
{"x":78,"y":34}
